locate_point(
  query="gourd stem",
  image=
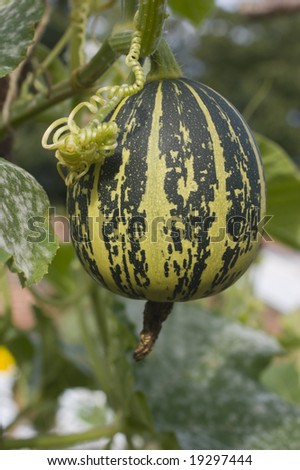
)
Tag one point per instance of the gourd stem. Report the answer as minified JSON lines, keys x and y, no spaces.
{"x":163,"y":63}
{"x":150,"y":19}
{"x":155,"y":314}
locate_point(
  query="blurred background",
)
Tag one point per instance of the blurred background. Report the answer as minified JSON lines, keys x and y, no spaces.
{"x":225,"y":372}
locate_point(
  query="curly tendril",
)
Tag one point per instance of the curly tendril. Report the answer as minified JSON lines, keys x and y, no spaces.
{"x":79,"y":15}
{"x":77,"y":148}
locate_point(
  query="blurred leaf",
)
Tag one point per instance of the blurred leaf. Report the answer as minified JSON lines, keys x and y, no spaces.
{"x":62,"y":271}
{"x":283,"y":193}
{"x":168,"y":441}
{"x":19,"y":18}
{"x":42,"y":416}
{"x":139,"y":415}
{"x":48,"y":366}
{"x":93,"y":415}
{"x":194,"y":10}
{"x":202,"y":380}
{"x":27,"y":244}
{"x":55,"y":366}
{"x":21,"y":347}
{"x":290,"y":331}
{"x":283,"y":377}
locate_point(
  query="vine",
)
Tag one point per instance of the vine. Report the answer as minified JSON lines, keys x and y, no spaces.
{"x":77,"y":148}
{"x":151,"y":16}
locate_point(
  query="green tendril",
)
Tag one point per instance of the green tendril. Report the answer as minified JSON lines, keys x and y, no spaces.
{"x":77,"y":148}
{"x":79,"y":15}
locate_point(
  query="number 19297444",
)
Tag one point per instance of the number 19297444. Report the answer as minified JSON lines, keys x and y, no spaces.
{"x":220,"y":459}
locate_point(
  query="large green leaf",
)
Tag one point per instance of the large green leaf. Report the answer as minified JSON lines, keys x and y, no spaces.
{"x":283,"y":193}
{"x":18,"y":20}
{"x":202,"y":381}
{"x":27,"y":243}
{"x":283,"y":374}
{"x":282,"y":377}
{"x":194,"y":10}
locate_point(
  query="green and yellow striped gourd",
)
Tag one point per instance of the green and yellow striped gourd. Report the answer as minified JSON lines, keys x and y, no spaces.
{"x":173,"y":214}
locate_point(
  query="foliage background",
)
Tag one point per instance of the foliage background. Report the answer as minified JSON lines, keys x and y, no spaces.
{"x":225,"y":371}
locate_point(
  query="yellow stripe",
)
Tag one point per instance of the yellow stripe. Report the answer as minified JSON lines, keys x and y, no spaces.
{"x":220,"y":204}
{"x":156,"y":206}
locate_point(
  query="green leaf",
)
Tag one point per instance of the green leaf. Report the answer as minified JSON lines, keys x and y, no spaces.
{"x":202,"y":381}
{"x":4,"y":257}
{"x":139,"y":416}
{"x":283,"y":193}
{"x":282,"y":377}
{"x":19,"y":18}
{"x":27,"y":243}
{"x":21,"y":347}
{"x":194,"y":10}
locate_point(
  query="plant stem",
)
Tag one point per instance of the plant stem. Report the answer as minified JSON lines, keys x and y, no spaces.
{"x":99,"y":354}
{"x":100,"y":317}
{"x":257,"y":99}
{"x":99,"y":367}
{"x":151,"y":16}
{"x":163,"y":63}
{"x":120,"y":42}
{"x":100,"y":63}
{"x":54,"y":53}
{"x":61,"y":441}
{"x":129,"y":8}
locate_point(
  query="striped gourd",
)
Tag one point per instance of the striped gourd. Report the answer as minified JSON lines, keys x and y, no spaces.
{"x":173,"y":214}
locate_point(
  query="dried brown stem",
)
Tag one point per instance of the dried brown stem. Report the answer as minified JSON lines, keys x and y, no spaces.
{"x":155,"y":314}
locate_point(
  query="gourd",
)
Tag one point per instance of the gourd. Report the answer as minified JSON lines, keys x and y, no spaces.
{"x":173,"y":214}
